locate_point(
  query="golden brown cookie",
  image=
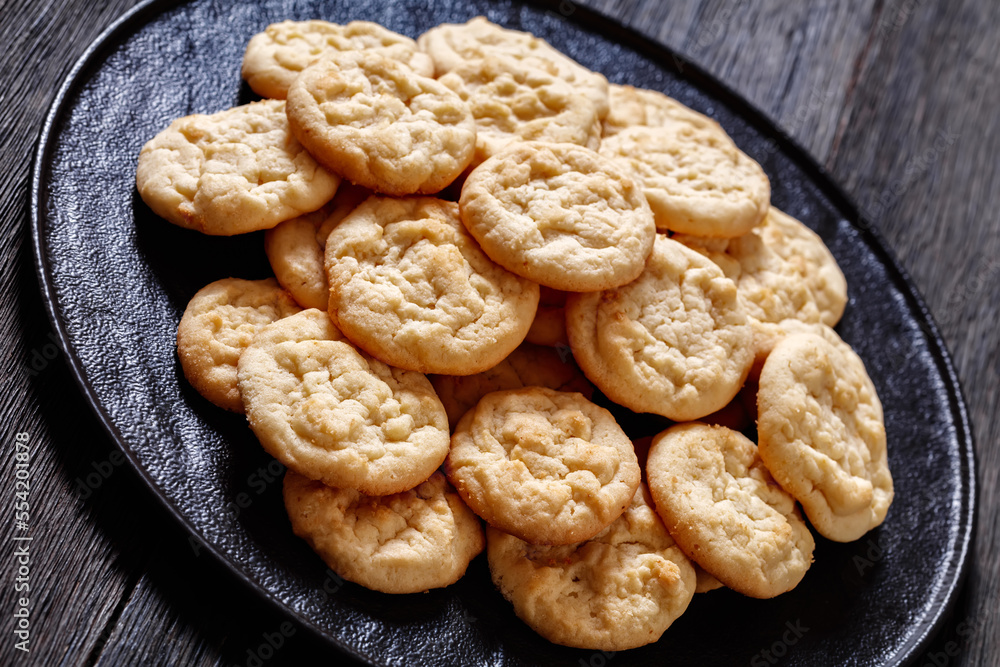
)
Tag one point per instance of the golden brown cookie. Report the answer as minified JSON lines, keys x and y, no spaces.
{"x":547,"y":466}
{"x":767,"y":334}
{"x":409,"y":285}
{"x":674,"y":342}
{"x":620,"y":589}
{"x":218,"y":324}
{"x":697,"y":181}
{"x":333,"y":414}
{"x":451,"y":45}
{"x":822,"y":435}
{"x":782,"y":269}
{"x":640,"y":107}
{"x":527,"y":366}
{"x":275,"y":57}
{"x":401,"y":543}
{"x":379,"y":124}
{"x":516,"y":101}
{"x":803,"y":249}
{"x":560,"y":215}
{"x":704,"y":582}
{"x":726,"y":512}
{"x":549,"y":326}
{"x":232,"y":172}
{"x":295,"y":247}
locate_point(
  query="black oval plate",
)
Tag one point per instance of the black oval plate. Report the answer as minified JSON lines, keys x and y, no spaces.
{"x":116,"y":279}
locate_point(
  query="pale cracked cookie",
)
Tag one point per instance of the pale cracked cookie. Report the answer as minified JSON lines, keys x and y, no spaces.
{"x":279,"y":54}
{"x":232,"y":172}
{"x":451,"y":45}
{"x":516,"y":101}
{"x":295,"y":247}
{"x":767,"y":334}
{"x":621,"y":589}
{"x":726,"y":512}
{"x":804,"y":250}
{"x":409,"y":285}
{"x":407,"y":542}
{"x":822,"y":435}
{"x":218,"y":324}
{"x":674,"y":342}
{"x":549,"y":467}
{"x":782,"y":269}
{"x":560,"y":215}
{"x":640,"y":107}
{"x":379,"y":124}
{"x":333,"y":414}
{"x":527,"y":366}
{"x":697,"y":181}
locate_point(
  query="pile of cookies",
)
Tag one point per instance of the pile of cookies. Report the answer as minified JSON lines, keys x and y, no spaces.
{"x":447,"y":218}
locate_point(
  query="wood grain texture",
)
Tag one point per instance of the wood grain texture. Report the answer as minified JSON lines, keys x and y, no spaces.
{"x":918,"y":150}
{"x":898,"y":99}
{"x":78,"y":578}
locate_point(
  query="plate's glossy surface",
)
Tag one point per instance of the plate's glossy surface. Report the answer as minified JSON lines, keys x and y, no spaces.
{"x":116,"y":279}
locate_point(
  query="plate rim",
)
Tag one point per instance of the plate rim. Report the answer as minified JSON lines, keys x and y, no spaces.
{"x":665,"y":57}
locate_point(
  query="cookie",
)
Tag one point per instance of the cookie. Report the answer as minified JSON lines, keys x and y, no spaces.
{"x":527,"y":366}
{"x":515,"y":101}
{"x":232,"y":172}
{"x":674,"y":342}
{"x":560,"y":215}
{"x":450,"y":45}
{"x":549,"y":326}
{"x":295,"y":247}
{"x":409,"y":285}
{"x":640,"y":107}
{"x":549,"y":467}
{"x":726,"y":512}
{"x":782,"y":269}
{"x":406,"y":542}
{"x":822,"y":435}
{"x":379,"y":124}
{"x":704,"y":582}
{"x":767,"y":334}
{"x":787,"y":279}
{"x":696,"y":181}
{"x":334,"y":414}
{"x":770,"y":289}
{"x":546,"y":466}
{"x":619,"y":590}
{"x":218,"y":324}
{"x":275,"y":57}
{"x":803,"y":249}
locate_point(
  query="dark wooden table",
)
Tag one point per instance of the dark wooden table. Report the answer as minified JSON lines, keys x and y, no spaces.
{"x":898,"y":99}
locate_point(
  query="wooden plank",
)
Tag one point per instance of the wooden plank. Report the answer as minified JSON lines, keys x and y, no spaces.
{"x":918,"y":149}
{"x":82,"y":561}
{"x":187,"y":610}
{"x":81,"y":564}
